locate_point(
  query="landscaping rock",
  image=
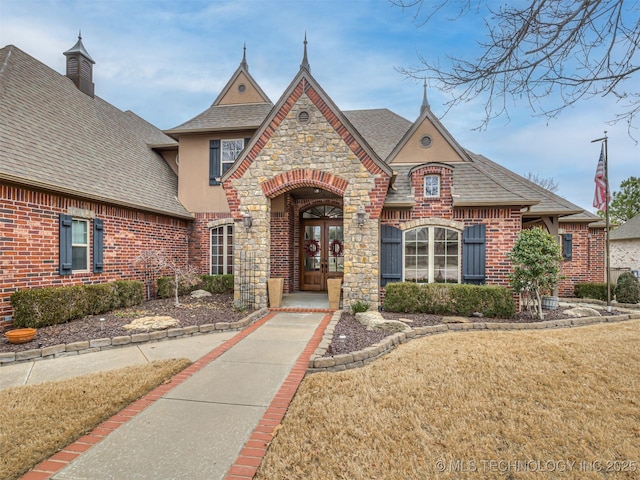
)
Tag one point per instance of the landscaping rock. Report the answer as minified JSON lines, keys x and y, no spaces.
{"x":200,"y":294}
{"x":157,"y":322}
{"x":374,"y":321}
{"x":455,"y":320}
{"x":579,"y":312}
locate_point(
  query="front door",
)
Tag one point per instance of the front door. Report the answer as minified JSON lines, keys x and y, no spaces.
{"x":322,"y":253}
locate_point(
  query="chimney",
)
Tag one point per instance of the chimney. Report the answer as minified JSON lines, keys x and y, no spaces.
{"x":80,"y":67}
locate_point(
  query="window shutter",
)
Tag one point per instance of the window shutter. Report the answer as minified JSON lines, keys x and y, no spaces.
{"x":214,"y":162}
{"x":567,"y":246}
{"x":98,"y":245}
{"x":246,"y":141}
{"x":65,"y":222}
{"x":390,"y":255}
{"x":474,"y":246}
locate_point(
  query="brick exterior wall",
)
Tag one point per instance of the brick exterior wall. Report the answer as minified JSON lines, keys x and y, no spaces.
{"x":29,"y":242}
{"x":200,"y":238}
{"x":588,"y":262}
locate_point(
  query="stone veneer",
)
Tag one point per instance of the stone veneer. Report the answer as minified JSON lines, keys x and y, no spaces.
{"x":319,"y":153}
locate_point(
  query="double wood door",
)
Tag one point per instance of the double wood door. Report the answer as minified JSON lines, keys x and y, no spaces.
{"x":322,"y":253}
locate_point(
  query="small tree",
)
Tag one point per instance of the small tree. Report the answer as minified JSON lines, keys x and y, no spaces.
{"x":158,"y":261}
{"x":536,"y":258}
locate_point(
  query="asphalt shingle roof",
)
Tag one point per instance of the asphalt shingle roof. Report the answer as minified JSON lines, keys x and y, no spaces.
{"x":226,"y":117}
{"x":628,"y":230}
{"x":53,"y":135}
{"x":381,"y":128}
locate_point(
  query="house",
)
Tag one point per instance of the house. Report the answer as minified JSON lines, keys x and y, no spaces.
{"x":624,"y":244}
{"x":295,"y":188}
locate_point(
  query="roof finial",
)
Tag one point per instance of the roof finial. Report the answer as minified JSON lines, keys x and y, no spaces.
{"x":305,"y":61}
{"x":79,"y":34}
{"x":244,"y":58}
{"x":425,"y":102}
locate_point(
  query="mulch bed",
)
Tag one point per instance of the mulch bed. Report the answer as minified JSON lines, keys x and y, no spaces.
{"x":191,"y":311}
{"x":219,"y":308}
{"x":350,"y":335}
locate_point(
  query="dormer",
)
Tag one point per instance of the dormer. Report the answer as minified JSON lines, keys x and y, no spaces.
{"x":80,"y":67}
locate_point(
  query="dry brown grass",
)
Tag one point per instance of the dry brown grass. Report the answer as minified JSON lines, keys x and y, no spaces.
{"x":38,"y":420}
{"x":476,"y":401}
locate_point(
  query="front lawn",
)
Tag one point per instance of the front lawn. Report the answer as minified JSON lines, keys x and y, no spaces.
{"x":515,"y":405}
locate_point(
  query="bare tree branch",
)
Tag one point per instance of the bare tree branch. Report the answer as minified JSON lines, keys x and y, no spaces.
{"x":574,"y":49}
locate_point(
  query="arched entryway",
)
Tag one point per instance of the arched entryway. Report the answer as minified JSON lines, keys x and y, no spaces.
{"x":322,"y":246}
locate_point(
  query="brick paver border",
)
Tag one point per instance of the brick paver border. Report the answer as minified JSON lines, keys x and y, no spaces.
{"x":247,"y":463}
{"x":47,"y":468}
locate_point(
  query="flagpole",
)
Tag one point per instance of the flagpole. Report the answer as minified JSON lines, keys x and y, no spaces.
{"x":605,"y":141}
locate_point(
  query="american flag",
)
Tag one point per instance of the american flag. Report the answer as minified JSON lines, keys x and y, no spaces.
{"x":599,"y":197}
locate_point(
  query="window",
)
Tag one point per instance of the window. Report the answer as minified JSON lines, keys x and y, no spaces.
{"x":432,"y":185}
{"x":79,"y":245}
{"x":222,"y":250}
{"x":222,"y":154}
{"x":431,"y":254}
{"x":230,"y":151}
{"x":75,"y":247}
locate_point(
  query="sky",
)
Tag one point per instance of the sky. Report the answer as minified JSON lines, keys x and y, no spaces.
{"x":167,"y":61}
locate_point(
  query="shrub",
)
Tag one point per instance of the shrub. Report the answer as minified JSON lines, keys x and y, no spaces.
{"x":627,"y":289}
{"x":402,"y":297}
{"x":359,"y":307}
{"x":129,"y":293}
{"x":101,"y":298}
{"x":593,"y":290}
{"x":42,"y":307}
{"x":210,"y":283}
{"x":452,"y":299}
{"x":217,"y":283}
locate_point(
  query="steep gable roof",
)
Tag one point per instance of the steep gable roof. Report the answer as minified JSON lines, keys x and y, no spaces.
{"x":428,"y":120}
{"x":240,"y":105}
{"x":305,"y":83}
{"x":54,"y":137}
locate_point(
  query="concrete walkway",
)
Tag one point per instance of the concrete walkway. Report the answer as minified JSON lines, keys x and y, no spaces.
{"x":212,"y":421}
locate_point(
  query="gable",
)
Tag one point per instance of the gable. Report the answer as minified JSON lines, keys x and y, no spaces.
{"x":439,"y":149}
{"x":241,"y":89}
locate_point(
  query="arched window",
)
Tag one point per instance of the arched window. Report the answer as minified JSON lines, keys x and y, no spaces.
{"x":432,"y":254}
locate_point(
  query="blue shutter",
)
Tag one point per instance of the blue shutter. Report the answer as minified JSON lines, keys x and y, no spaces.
{"x":567,"y":246}
{"x":246,"y":141}
{"x":214,"y":162}
{"x":66,"y":224}
{"x":98,"y":245}
{"x":390,"y":255}
{"x":474,"y":254}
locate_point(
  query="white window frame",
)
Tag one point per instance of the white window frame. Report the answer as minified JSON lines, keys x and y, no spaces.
{"x":226,"y":268}
{"x":431,"y":195}
{"x":431,"y":253}
{"x":228,"y":163}
{"x":85,"y":246}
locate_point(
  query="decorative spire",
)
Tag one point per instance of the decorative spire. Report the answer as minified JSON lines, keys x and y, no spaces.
{"x":244,"y":64}
{"x":305,"y":61}
{"x":425,"y":102}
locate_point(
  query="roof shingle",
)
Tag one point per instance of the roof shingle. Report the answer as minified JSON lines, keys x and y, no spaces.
{"x":55,"y":136}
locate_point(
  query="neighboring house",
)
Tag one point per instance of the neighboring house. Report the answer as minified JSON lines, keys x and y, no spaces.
{"x":624,"y":242}
{"x":297,"y":189}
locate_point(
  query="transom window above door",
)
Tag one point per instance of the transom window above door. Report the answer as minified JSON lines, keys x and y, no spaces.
{"x":323,"y":211}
